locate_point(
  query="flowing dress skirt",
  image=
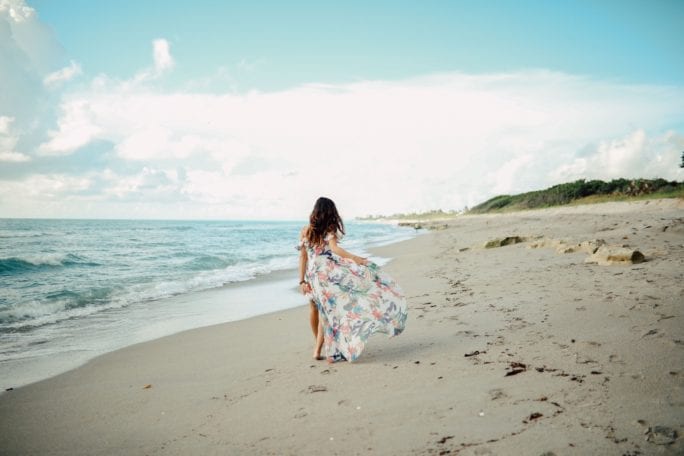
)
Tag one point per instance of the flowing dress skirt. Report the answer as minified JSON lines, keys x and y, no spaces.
{"x":354,"y":302}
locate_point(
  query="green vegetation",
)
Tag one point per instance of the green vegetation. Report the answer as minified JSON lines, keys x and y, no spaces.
{"x":572,"y":193}
{"x":584,"y":192}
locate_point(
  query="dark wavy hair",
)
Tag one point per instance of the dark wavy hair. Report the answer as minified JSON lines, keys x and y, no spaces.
{"x":324,"y":219}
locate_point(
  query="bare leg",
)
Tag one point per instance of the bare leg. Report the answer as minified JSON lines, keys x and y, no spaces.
{"x":319,"y":342}
{"x":316,"y":329}
{"x":313,"y":318}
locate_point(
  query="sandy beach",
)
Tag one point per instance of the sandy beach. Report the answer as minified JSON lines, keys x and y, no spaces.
{"x":525,"y":348}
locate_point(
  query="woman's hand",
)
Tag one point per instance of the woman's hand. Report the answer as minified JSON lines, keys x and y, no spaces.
{"x":361,"y":261}
{"x":304,"y":288}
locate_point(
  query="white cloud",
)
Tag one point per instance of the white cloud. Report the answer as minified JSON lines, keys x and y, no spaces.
{"x":162,"y":55}
{"x":62,"y":75}
{"x":150,"y":183}
{"x":503,"y":180}
{"x":17,"y":10}
{"x":443,"y":141}
{"x":13,"y":157}
{"x":28,"y":52}
{"x":634,"y":155}
{"x":26,"y":45}
{"x":44,"y":187}
{"x":247,"y":66}
{"x":162,"y":62}
{"x":5,"y":124}
{"x":75,"y":129}
{"x":8,"y":142}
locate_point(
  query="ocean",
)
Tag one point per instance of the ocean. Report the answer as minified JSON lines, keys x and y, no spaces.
{"x":71,"y":290}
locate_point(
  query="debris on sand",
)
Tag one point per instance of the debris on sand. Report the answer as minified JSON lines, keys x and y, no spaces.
{"x":516,"y":368}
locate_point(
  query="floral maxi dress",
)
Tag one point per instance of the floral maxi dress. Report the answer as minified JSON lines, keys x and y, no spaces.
{"x":354,"y":301}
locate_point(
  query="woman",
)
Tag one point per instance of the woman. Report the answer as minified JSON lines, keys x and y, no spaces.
{"x":353,"y":297}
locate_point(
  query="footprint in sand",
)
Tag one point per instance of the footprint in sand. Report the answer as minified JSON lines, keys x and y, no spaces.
{"x":496,"y":394}
{"x":615,"y":359}
{"x":651,"y":332}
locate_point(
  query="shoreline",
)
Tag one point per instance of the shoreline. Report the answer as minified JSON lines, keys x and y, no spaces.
{"x":510,"y":350}
{"x":247,"y":298}
{"x":24,"y":371}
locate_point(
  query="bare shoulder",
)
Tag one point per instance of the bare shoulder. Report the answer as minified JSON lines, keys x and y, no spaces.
{"x":304,"y":231}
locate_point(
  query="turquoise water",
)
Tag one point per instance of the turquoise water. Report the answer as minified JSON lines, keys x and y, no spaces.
{"x":89,"y":286}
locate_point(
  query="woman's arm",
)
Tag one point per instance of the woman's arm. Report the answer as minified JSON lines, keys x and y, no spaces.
{"x":337,"y":250}
{"x":303,"y":260}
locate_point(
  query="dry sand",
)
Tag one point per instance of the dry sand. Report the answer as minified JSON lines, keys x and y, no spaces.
{"x":596,"y":353}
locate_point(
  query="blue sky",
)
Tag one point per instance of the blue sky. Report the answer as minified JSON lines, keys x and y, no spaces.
{"x":213,"y":109}
{"x":291,"y":43}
